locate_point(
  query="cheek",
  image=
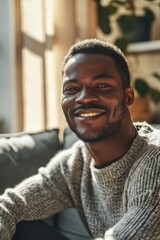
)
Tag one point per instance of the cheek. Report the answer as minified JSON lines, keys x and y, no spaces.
{"x":63,"y":100}
{"x":120,"y":106}
{"x":115,"y":106}
{"x":66,"y":104}
{"x":110,"y":101}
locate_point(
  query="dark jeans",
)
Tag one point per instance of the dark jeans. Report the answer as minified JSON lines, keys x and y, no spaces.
{"x":37,"y":230}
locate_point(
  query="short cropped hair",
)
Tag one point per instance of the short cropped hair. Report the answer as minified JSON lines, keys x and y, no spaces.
{"x":95,"y":46}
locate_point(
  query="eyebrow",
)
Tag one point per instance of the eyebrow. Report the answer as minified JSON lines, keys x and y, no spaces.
{"x":99,"y":76}
{"x":96,"y":77}
{"x":69,"y":80}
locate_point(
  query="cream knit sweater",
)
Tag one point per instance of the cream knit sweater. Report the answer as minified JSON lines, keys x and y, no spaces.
{"x":121,"y":201}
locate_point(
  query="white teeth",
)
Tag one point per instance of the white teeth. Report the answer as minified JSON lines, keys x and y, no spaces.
{"x":85,"y":115}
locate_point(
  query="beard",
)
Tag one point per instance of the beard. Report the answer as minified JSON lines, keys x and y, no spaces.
{"x":109,"y":130}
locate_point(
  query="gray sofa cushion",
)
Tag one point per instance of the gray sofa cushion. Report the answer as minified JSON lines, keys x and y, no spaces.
{"x":69,"y":223}
{"x":22,"y":154}
{"x":20,"y":157}
{"x":69,"y":138}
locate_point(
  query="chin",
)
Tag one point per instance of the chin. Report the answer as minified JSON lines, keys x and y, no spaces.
{"x":92,"y":136}
{"x":96,"y":135}
{"x":92,"y":139}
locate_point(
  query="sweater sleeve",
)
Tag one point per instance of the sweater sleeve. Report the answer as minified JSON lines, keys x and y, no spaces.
{"x":142,"y":217}
{"x":37,"y":197}
{"x":140,"y":222}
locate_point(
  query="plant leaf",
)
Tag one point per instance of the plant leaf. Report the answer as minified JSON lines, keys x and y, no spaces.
{"x":155,"y":95}
{"x":156,"y":75}
{"x":149,"y":15}
{"x":141,"y":87}
{"x":103,"y":17}
{"x":122,"y":43}
{"x":127,"y":23}
{"x":111,"y":9}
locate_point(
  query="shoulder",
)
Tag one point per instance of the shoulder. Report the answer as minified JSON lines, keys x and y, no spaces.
{"x":151,"y":134}
{"x":70,"y":163}
{"x":77,"y":154}
{"x":146,"y":168}
{"x":144,"y":174}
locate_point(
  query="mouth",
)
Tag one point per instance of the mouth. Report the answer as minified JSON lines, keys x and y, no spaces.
{"x":89,"y":113}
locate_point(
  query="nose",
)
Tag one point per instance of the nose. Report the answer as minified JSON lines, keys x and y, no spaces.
{"x":86,"y":95}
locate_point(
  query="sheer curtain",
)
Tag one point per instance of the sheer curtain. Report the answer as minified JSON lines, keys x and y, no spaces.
{"x":45,"y":29}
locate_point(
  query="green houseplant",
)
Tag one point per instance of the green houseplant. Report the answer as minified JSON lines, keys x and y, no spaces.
{"x":131,"y":17}
{"x":144,"y":90}
{"x":127,"y":15}
{"x":140,"y":110}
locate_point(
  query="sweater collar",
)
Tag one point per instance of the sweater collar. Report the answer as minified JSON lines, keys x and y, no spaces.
{"x":121,"y":166}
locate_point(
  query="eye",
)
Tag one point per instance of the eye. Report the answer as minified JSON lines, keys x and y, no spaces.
{"x":102,"y":85}
{"x":70,"y":90}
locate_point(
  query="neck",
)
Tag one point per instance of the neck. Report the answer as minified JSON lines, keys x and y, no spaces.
{"x":109,"y":150}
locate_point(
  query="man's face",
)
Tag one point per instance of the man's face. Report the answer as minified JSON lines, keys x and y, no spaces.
{"x":93,"y":99}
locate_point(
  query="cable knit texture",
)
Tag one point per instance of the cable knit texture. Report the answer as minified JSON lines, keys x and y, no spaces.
{"x":121,"y":201}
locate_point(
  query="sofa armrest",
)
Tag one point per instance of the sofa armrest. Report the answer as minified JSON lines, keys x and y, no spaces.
{"x":22,"y":154}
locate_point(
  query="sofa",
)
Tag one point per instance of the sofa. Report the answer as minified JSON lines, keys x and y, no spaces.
{"x":21,"y":154}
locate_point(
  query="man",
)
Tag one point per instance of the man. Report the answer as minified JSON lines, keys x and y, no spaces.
{"x":111,"y":176}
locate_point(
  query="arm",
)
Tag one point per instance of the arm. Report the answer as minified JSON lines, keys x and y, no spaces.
{"x":141,"y":219}
{"x":139,"y":222}
{"x":35,"y":198}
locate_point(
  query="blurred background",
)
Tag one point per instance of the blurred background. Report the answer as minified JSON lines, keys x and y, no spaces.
{"x":35,"y":36}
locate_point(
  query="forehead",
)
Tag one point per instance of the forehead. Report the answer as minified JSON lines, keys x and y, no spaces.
{"x":90,"y":62}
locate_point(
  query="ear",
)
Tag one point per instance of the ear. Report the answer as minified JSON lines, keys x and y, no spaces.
{"x":129,"y":96}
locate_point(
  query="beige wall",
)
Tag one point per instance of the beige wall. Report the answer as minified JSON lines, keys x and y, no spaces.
{"x":48,"y":28}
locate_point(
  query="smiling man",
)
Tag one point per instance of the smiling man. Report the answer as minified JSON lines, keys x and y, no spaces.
{"x":111,"y":175}
{"x":96,"y":97}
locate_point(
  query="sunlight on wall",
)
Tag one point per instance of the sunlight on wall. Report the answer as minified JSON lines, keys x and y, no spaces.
{"x":48,"y":29}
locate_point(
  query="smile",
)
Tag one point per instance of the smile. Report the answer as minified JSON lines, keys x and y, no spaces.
{"x":86,"y":115}
{"x":89,"y":113}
